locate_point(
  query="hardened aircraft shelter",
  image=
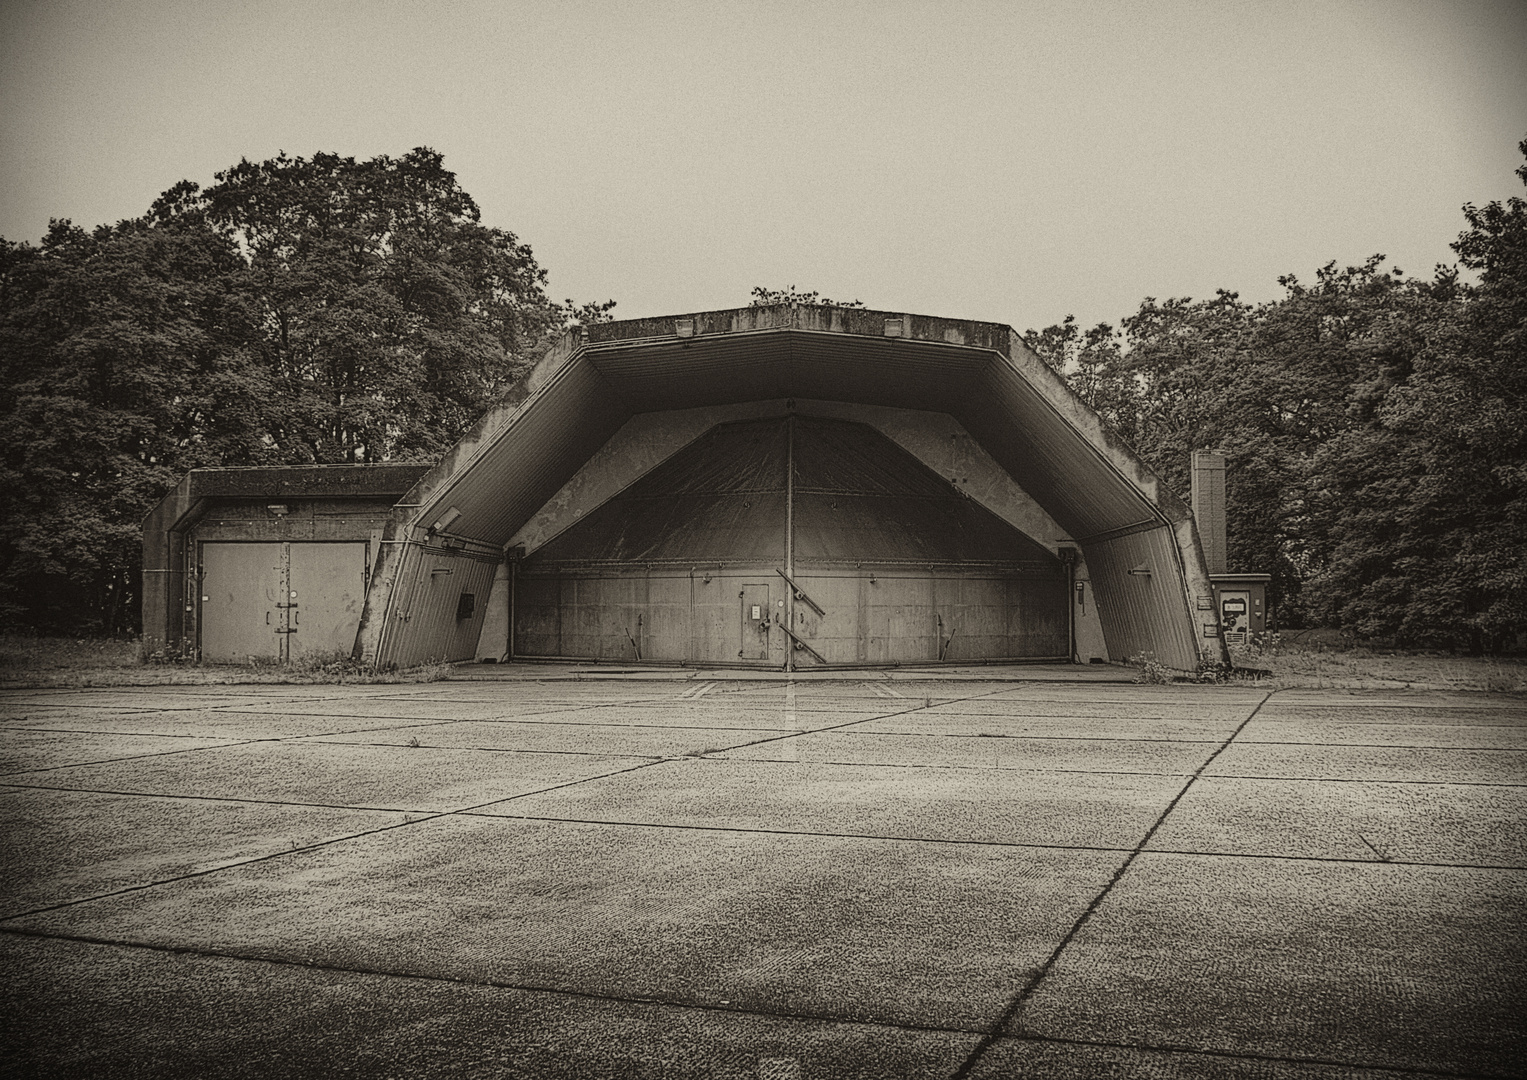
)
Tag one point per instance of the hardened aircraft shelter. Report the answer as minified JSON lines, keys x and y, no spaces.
{"x":794,"y":486}
{"x":798,"y":486}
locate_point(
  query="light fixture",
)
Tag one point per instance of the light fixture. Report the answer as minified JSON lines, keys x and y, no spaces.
{"x":446,"y":521}
{"x":1141,"y":571}
{"x":279,"y":509}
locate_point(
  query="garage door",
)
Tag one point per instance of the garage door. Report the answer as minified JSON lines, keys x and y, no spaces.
{"x":280,"y":602}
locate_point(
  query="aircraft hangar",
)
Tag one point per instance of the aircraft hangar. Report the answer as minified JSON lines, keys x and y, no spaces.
{"x":797,"y":486}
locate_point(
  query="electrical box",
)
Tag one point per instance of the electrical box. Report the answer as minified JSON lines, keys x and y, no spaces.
{"x":1241,"y":600}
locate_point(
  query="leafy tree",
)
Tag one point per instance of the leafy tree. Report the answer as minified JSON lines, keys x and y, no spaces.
{"x":1426,"y":497}
{"x":321,"y":310}
{"x":124,"y":356}
{"x":390,"y":316}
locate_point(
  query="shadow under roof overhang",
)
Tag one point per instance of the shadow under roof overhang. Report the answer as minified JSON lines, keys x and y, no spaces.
{"x":1020,"y":411}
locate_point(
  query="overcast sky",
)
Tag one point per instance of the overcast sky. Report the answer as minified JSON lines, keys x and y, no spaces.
{"x":1012,"y":162}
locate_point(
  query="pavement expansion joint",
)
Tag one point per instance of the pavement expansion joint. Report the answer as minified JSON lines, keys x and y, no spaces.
{"x":113,"y":732}
{"x":495,"y":984}
{"x":1026,"y":992}
{"x":1364,"y":779}
{"x":296,"y":849}
{"x":1389,"y":746}
{"x":944,"y":765}
{"x":805,"y":833}
{"x":1273,"y":856}
{"x":133,"y":757}
{"x":559,"y":787}
{"x":173,"y":796}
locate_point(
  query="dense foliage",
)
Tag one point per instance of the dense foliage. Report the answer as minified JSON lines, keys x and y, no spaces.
{"x":1375,"y":427}
{"x":298,"y":311}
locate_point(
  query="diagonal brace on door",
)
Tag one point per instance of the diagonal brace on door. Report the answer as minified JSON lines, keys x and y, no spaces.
{"x":800,"y":594}
{"x":799,"y":644}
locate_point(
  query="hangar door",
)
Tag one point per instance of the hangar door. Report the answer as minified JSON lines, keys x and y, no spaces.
{"x":820,"y":537}
{"x":280,"y":601}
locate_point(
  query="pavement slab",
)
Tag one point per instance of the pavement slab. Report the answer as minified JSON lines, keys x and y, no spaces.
{"x":943,"y":722}
{"x":1336,"y":762}
{"x":1433,"y":735}
{"x":1463,"y":824}
{"x":155,"y":1013}
{"x":1407,"y":698}
{"x":30,"y":750}
{"x":583,"y":738}
{"x":826,"y":927}
{"x":416,"y":708}
{"x":966,"y":805}
{"x":1232,"y":712}
{"x":1067,"y":1060}
{"x":771,"y":716}
{"x":425,"y":779}
{"x":1504,"y":715}
{"x":991,"y":752}
{"x":1372,"y":964}
{"x":223,"y":725}
{"x":54,"y":851}
{"x":134,"y":698}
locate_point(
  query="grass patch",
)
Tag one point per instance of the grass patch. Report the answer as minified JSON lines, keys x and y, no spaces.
{"x":70,"y":662}
{"x":1355,"y":666}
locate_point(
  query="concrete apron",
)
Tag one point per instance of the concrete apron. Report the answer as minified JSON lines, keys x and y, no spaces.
{"x":743,"y":878}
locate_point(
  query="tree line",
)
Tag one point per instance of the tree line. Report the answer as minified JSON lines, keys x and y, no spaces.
{"x":299,"y":311}
{"x":330,"y":310}
{"x":1374,"y":425}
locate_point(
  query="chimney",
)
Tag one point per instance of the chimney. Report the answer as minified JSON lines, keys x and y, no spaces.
{"x":1209,"y":506}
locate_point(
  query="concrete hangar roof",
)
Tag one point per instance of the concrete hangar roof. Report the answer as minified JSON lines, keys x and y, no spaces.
{"x":1137,"y":538}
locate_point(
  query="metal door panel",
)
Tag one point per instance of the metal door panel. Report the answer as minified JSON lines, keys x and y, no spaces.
{"x":756,"y":615}
{"x":240,"y":587}
{"x":327,"y":588}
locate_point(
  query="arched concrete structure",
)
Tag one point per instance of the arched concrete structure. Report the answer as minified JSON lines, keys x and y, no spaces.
{"x":966,"y":399}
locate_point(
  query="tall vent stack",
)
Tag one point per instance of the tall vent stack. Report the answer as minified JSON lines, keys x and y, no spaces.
{"x":1209,"y":506}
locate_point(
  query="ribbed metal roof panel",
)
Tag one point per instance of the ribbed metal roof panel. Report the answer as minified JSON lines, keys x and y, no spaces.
{"x":1138,"y":583}
{"x":512,"y":473}
{"x":1049,"y":457}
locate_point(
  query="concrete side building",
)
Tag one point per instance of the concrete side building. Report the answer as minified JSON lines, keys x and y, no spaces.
{"x":265,"y":563}
{"x":791,"y":486}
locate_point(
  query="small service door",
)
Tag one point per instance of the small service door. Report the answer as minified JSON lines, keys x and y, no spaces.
{"x":755,"y":621}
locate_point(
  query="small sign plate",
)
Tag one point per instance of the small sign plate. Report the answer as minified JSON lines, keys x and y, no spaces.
{"x":1206,"y":603}
{"x":1211,"y":630}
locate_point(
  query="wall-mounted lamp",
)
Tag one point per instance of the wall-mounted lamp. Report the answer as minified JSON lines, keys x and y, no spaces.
{"x":1141,"y":571}
{"x":446,"y":521}
{"x":279,"y":509}
{"x":440,"y":570}
{"x":707,"y":579}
